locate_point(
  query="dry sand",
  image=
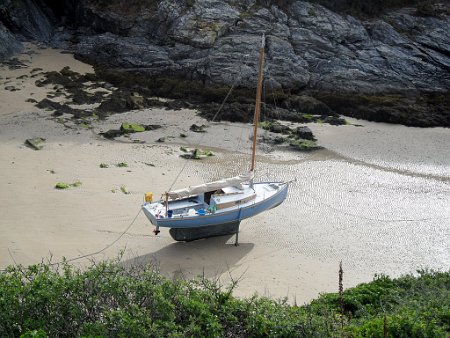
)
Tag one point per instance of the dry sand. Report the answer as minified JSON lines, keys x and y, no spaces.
{"x":378,"y":198}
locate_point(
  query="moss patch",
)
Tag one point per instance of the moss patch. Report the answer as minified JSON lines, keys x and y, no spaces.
{"x":63,"y":185}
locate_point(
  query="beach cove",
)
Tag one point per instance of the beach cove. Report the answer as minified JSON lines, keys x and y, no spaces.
{"x":376,"y":198}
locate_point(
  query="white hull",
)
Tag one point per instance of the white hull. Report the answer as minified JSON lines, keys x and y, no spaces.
{"x":233,"y":205}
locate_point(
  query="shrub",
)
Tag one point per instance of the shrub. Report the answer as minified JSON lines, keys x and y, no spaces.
{"x":108,"y":299}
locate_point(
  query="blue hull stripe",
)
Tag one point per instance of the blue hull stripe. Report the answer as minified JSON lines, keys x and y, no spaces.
{"x":221,"y":218}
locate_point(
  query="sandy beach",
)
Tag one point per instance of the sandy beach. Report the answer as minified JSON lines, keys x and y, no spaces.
{"x":376,"y":198}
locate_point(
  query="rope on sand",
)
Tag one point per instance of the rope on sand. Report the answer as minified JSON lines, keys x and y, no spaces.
{"x":89,"y":254}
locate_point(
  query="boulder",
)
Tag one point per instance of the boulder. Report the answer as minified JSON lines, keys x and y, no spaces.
{"x":305,"y":133}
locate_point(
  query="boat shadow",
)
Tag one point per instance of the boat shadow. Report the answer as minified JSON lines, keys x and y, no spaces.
{"x":209,"y":257}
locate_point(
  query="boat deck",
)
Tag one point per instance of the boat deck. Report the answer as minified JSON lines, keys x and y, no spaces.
{"x":230,"y":198}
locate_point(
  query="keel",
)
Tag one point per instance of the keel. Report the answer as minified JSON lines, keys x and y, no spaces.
{"x":192,"y":234}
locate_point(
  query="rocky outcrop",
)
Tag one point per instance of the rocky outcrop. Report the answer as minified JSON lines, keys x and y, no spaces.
{"x":23,"y":20}
{"x":308,"y":46}
{"x":309,"y":49}
{"x":9,"y":45}
{"x":27,"y":18}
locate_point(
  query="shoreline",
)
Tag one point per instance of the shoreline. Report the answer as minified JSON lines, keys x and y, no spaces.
{"x":361,"y":206}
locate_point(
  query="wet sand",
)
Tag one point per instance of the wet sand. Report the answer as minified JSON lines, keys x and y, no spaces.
{"x":377,"y":198}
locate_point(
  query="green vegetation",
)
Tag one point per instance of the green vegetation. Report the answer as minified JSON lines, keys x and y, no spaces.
{"x":110,"y":300}
{"x":104,"y":165}
{"x":302,"y":144}
{"x":124,"y":190}
{"x":63,"y":185}
{"x":132,"y":127}
{"x":122,"y":165}
{"x":36,"y":143}
{"x":196,"y":154}
{"x":300,"y":138}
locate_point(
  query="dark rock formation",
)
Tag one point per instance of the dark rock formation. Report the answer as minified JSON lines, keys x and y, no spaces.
{"x":9,"y":45}
{"x":333,"y":63}
{"x":308,"y":46}
{"x":304,"y":133}
{"x":27,"y":18}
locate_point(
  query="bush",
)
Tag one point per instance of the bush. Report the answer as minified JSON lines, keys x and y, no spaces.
{"x":108,"y":299}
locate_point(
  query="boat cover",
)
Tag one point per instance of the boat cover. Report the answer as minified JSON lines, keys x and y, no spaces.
{"x":211,"y":186}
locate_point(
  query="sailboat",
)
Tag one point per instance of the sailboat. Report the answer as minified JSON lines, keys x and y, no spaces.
{"x":217,"y":208}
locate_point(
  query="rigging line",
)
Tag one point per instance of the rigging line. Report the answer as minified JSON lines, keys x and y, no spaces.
{"x":277,"y":113}
{"x":238,"y":79}
{"x":201,"y":138}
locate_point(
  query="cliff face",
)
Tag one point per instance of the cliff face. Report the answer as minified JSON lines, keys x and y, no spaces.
{"x":308,"y":47}
{"x":8,"y":43}
{"x":27,"y":18}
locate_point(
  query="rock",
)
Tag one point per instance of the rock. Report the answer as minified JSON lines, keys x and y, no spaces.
{"x":131,"y":128}
{"x":11,"y":88}
{"x":135,"y":101}
{"x":234,"y":112}
{"x":61,"y":109}
{"x":304,"y":145}
{"x":35,"y":143}
{"x":307,"y":105}
{"x":276,"y":127}
{"x":26,"y":18}
{"x":127,"y":128}
{"x":112,"y":133}
{"x":149,"y":127}
{"x":333,"y":120}
{"x":14,"y":63}
{"x":198,"y":129}
{"x":195,"y":154}
{"x":311,"y":51}
{"x":304,"y":133}
{"x":9,"y":44}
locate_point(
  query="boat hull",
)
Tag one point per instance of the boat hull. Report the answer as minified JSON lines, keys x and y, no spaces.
{"x":219,"y":218}
{"x":207,"y":231}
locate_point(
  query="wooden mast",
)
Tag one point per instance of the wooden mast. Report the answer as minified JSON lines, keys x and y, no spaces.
{"x":258,"y":103}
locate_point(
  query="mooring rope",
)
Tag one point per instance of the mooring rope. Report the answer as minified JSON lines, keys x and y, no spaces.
{"x":89,"y":254}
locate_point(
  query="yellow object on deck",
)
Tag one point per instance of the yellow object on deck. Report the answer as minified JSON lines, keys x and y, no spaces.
{"x":149,"y":197}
